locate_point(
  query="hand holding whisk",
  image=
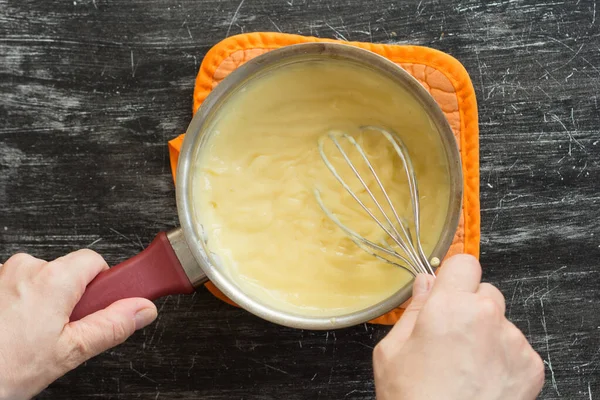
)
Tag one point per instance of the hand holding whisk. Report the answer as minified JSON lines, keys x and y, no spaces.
{"x":413,"y":258}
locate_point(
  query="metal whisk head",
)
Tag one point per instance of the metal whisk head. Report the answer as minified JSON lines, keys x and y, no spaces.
{"x":412,"y":258}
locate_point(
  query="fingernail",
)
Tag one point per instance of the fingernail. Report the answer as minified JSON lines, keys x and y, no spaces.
{"x":144,"y":317}
{"x":422,"y":284}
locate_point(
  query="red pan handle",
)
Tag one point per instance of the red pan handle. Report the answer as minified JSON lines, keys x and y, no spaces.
{"x":153,"y":273}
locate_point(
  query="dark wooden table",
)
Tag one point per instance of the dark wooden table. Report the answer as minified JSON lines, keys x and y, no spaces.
{"x":90,"y":92}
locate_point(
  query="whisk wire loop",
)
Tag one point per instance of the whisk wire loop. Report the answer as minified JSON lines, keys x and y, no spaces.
{"x":402,"y":151}
{"x":415,"y":260}
{"x":393,"y":235}
{"x":393,"y":232}
{"x":360,"y":241}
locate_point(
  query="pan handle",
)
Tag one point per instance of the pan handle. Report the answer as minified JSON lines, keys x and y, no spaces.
{"x":153,"y":273}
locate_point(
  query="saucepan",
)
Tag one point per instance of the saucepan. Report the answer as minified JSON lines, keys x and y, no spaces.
{"x":179,"y":262}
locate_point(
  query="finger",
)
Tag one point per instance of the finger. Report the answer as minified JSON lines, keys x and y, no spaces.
{"x":73,"y":272}
{"x":535,"y":383}
{"x":85,"y":263}
{"x":106,"y":328}
{"x":459,"y":273}
{"x":525,"y":359}
{"x":404,"y":327}
{"x":490,"y":291}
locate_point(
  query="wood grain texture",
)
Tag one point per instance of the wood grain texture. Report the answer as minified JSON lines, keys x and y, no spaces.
{"x":90,"y":92}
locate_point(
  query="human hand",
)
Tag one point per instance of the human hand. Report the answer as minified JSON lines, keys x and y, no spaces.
{"x":38,"y":344}
{"x":453,"y":342}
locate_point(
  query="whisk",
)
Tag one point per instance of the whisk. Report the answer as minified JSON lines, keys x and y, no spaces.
{"x":413,"y":258}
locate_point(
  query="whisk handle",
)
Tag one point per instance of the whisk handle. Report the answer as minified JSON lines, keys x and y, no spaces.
{"x":151,"y":274}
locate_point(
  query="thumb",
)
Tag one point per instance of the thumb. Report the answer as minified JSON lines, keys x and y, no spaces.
{"x":403,"y":328}
{"x":107,"y":328}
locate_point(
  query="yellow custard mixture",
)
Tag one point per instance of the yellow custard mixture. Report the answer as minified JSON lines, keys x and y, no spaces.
{"x":254,"y":182}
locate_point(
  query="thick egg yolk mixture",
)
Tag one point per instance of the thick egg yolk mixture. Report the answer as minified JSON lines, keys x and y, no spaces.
{"x":254,"y":183}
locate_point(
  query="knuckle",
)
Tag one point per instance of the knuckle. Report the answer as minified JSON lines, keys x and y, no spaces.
{"x":492,"y":289}
{"x":382,"y":352}
{"x":466,"y":259}
{"x":516,"y":337}
{"x":499,"y":294}
{"x":79,"y":351}
{"x":461,"y":261}
{"x":379,"y":352}
{"x":19,"y":258}
{"x":538,"y":365}
{"x":539,"y":370}
{"x":488,"y":308}
{"x":90,"y":256}
{"x":119,"y":333}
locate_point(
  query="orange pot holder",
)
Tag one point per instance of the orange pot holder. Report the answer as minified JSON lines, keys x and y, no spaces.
{"x":442,"y":75}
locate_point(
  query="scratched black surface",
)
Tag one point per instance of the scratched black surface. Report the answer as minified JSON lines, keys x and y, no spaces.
{"x":90,"y":91}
